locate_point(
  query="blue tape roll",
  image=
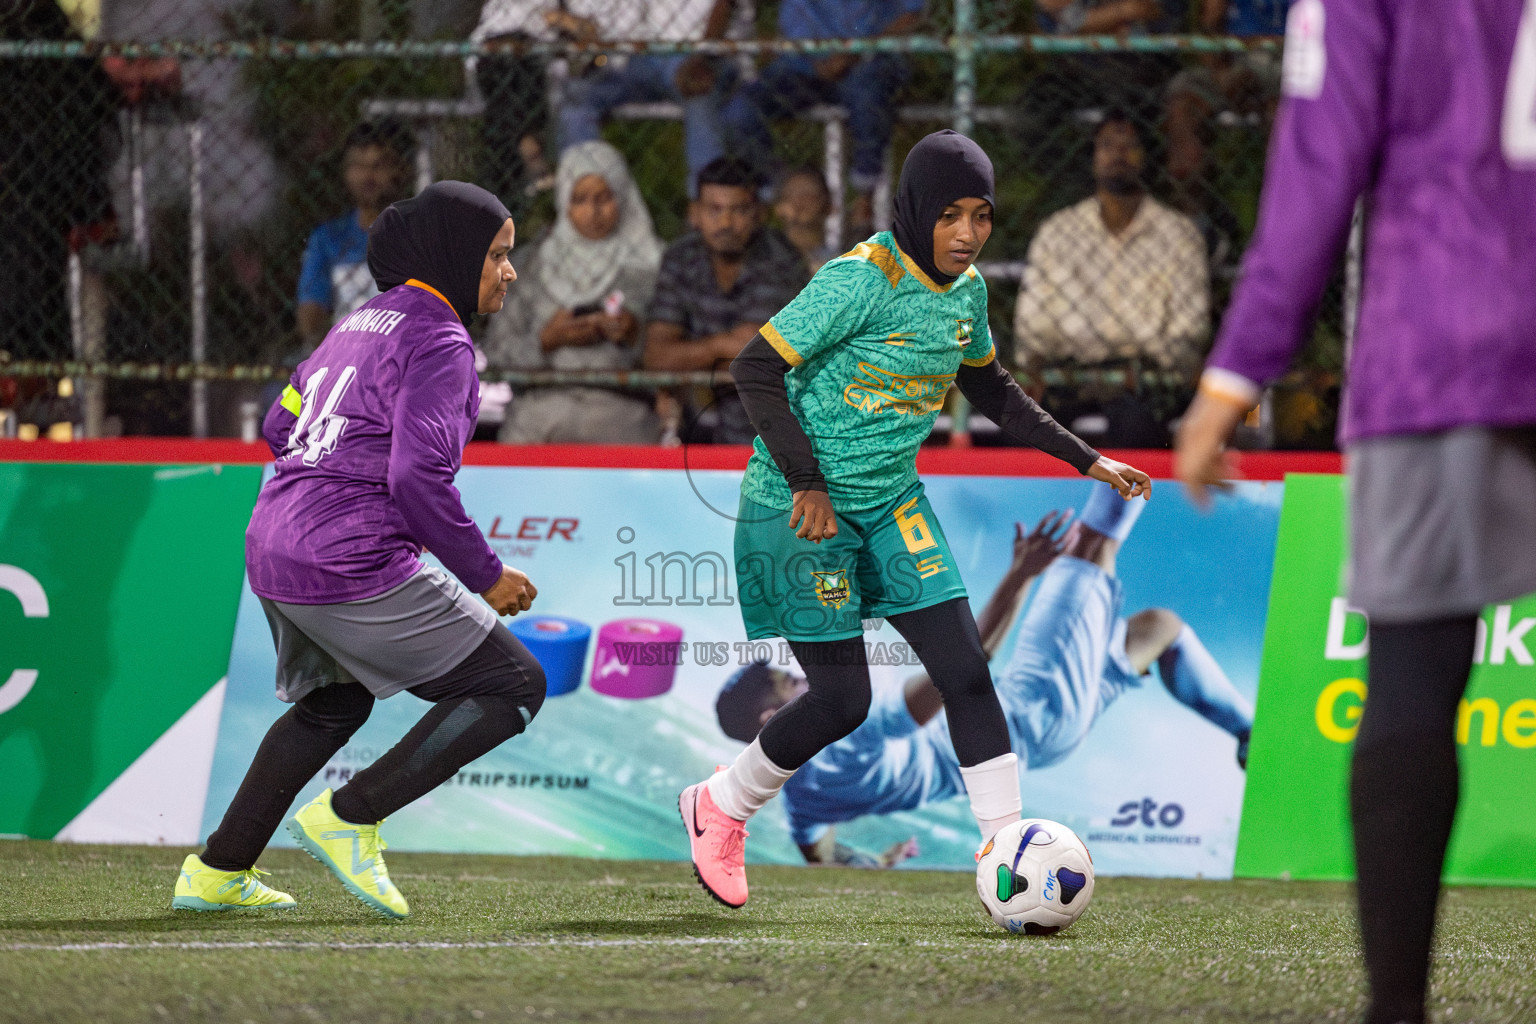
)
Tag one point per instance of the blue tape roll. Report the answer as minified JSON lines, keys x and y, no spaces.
{"x":559,"y":644}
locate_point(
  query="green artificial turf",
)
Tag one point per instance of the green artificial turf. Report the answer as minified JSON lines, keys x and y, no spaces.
{"x":86,"y":934}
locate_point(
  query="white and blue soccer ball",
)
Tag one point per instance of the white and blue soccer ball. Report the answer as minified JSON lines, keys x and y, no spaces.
{"x":1035,"y":876}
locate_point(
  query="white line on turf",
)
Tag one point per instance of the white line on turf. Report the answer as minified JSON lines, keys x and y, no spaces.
{"x":278,"y":944}
{"x":1001,"y":944}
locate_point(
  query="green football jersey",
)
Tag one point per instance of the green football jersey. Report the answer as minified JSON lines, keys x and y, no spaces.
{"x":874,"y":344}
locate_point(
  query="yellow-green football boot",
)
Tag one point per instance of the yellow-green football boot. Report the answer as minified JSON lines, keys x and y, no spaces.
{"x":354,"y":853}
{"x":201,"y":887}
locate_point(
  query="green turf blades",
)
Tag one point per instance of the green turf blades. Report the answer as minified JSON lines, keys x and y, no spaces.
{"x":86,"y":935}
{"x":315,"y":851}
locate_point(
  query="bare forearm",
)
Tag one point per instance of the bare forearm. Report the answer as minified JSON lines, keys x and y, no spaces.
{"x":666,"y":348}
{"x":923,"y":698}
{"x":314,"y":320}
{"x":564,"y":330}
{"x":719,"y":20}
{"x":1111,"y":18}
{"x":998,"y":613}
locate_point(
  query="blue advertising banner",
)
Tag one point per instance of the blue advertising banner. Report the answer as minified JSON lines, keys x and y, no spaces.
{"x":1128,"y":676}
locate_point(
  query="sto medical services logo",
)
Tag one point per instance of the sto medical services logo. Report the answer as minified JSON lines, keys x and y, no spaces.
{"x":34,"y":605}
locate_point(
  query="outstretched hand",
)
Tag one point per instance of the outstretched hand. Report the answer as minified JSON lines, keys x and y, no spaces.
{"x":1200,"y":456}
{"x":1128,"y":480}
{"x":1033,"y":551}
{"x":812,"y":517}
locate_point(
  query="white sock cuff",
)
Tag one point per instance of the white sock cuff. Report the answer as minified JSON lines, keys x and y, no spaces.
{"x":1110,"y":514}
{"x":993,"y":787}
{"x":749,"y":783}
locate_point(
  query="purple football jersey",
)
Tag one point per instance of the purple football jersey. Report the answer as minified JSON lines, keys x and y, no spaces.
{"x":368,"y":439}
{"x":1427,"y":109}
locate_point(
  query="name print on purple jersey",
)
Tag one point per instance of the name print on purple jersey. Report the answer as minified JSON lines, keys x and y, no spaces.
{"x":316,"y":435}
{"x":368,"y":436}
{"x":375,"y":321}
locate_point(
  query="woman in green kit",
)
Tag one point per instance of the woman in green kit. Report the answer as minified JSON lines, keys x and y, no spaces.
{"x":843,"y":386}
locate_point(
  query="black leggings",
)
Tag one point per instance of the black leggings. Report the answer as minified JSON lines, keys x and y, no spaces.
{"x":1403,"y":792}
{"x":945,"y":639}
{"x":485,"y":700}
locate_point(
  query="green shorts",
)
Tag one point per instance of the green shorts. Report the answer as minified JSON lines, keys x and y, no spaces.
{"x":885,"y":560}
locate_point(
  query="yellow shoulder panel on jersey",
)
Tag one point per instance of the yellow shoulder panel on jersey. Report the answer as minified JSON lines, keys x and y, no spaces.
{"x":881,"y":257}
{"x":782,"y":347}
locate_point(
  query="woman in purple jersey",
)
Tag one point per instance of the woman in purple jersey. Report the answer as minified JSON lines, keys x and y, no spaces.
{"x":368,"y":438}
{"x":1424,"y":113}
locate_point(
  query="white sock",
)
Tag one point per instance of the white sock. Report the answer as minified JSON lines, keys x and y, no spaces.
{"x":993,"y":787}
{"x":751,"y":781}
{"x":1110,"y":514}
{"x":1195,"y":679}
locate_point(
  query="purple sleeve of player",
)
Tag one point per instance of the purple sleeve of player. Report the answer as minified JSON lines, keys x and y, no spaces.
{"x":1427,"y":111}
{"x":437,"y":393}
{"x":279,"y":424}
{"x":1322,"y":154}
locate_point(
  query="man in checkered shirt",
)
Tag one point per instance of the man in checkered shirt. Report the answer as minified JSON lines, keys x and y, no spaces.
{"x":1118,"y":276}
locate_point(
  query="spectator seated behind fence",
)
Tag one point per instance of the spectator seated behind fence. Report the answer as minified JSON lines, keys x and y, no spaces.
{"x":1070,"y":86}
{"x":718,"y":285}
{"x":1245,"y":84}
{"x":516,"y":118}
{"x":700,"y":83}
{"x":335,"y":280}
{"x":864,"y":84}
{"x":575,"y":307}
{"x":57,"y":130}
{"x":801,"y":205}
{"x":1118,"y":278}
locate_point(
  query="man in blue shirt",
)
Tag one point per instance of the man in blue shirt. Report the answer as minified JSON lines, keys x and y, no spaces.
{"x":864,"y":84}
{"x":696,"y":81}
{"x":334,"y":280}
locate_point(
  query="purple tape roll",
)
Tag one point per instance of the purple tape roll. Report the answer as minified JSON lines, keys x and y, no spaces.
{"x":636,"y":658}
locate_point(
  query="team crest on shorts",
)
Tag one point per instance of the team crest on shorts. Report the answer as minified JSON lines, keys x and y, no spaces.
{"x":832,"y":588}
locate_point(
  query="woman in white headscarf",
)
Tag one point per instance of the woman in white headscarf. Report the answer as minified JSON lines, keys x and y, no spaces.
{"x":577,"y":308}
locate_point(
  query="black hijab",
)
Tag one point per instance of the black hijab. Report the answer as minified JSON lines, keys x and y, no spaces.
{"x":439,"y":238}
{"x":941,"y":168}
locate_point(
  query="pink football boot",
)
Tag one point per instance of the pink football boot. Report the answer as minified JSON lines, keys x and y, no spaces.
{"x":718,"y":844}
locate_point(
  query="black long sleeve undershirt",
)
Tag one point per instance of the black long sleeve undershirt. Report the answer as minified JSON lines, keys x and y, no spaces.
{"x":992,"y":390}
{"x":759,"y":374}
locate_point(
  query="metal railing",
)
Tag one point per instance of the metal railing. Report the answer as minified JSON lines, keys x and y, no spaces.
{"x":174,"y":247}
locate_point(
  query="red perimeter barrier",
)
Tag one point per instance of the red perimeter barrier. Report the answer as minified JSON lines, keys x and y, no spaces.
{"x":951,"y":461}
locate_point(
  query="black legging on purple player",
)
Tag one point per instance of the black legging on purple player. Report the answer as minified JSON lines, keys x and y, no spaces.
{"x":1403,"y":791}
{"x":485,"y":700}
{"x":945,"y":638}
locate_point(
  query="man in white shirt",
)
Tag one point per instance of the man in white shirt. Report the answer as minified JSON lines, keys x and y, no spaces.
{"x":1117,"y":277}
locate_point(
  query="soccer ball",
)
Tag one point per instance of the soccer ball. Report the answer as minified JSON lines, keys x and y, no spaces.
{"x":1035,"y":876}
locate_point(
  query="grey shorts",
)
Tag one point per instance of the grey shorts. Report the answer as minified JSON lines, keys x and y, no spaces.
{"x":406,"y":636}
{"x":1441,"y":524}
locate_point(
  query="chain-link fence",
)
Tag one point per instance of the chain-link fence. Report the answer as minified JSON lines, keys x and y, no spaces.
{"x":185,"y":184}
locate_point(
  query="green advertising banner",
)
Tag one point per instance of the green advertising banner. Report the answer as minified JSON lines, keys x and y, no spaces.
{"x":118,"y":590}
{"x":1295,"y":821}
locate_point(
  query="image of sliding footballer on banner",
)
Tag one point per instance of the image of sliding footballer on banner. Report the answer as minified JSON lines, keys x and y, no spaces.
{"x":1075,"y":653}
